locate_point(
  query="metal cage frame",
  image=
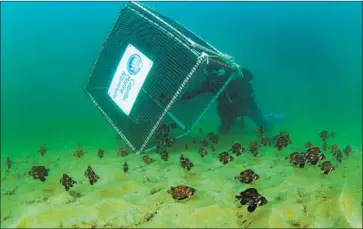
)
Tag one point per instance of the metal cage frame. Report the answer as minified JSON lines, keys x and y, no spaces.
{"x":203,"y":54}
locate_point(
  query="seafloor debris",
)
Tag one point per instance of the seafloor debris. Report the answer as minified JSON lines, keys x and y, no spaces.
{"x":339,"y":156}
{"x":123,"y":152}
{"x":214,"y":138}
{"x":347,"y":150}
{"x":148,"y":160}
{"x":297,"y":224}
{"x":10,"y":192}
{"x":237,"y":149}
{"x":334,"y":149}
{"x":325,"y":145}
{"x":292,"y":156}
{"x":202,"y":151}
{"x":297,"y":159}
{"x":260,"y":131}
{"x":185,"y":163}
{"x":91,"y":175}
{"x":100,"y":153}
{"x":67,"y":181}
{"x":164,"y":155}
{"x":3,"y":219}
{"x":39,"y":172}
{"x":170,"y":140}
{"x":41,"y":199}
{"x":42,"y":150}
{"x":181,"y":192}
{"x":324,"y":135}
{"x":247,"y":176}
{"x":308,"y":144}
{"x":204,"y":142}
{"x":281,"y":140}
{"x":213,"y":148}
{"x":252,"y":198}
{"x":75,"y":194}
{"x":305,"y":209}
{"x":160,"y":147}
{"x":265,"y":141}
{"x":313,"y":155}
{"x":83,"y":224}
{"x":125,"y":167}
{"x":162,"y":130}
{"x":327,"y":167}
{"x":224,"y":157}
{"x":163,"y":136}
{"x":147,"y":217}
{"x":79,"y":153}
{"x":242,"y":220}
{"x":8,"y":163}
{"x":254,"y":146}
{"x":155,"y":190}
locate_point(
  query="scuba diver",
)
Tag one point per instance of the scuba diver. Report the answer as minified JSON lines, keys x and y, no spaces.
{"x":237,"y":99}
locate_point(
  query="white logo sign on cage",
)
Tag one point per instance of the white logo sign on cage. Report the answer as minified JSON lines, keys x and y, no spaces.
{"x":129,"y":77}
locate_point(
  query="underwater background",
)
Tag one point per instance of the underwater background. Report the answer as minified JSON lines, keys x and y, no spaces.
{"x":307,"y":62}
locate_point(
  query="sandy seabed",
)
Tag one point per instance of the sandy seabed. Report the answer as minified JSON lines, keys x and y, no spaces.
{"x":297,"y":198}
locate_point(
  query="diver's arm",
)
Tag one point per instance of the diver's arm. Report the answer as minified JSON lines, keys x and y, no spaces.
{"x":216,"y":77}
{"x":207,"y":87}
{"x":191,"y":94}
{"x":256,"y":115}
{"x":216,"y":63}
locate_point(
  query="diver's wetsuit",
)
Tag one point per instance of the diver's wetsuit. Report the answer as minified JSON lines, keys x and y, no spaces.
{"x":236,"y":101}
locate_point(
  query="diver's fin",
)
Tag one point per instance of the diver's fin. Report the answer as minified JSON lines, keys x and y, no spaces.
{"x":275,"y":116}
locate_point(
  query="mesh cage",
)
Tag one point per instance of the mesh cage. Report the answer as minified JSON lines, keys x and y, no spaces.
{"x":144,"y":66}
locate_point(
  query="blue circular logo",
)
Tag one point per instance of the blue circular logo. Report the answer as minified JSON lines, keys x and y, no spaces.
{"x":134,"y":64}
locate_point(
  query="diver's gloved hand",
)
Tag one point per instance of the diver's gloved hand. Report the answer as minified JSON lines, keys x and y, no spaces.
{"x":272,"y":120}
{"x":237,"y":68}
{"x":228,"y":57}
{"x":221,"y":72}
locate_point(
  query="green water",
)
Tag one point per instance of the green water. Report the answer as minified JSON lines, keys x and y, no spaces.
{"x":306,"y":67}
{"x":306,"y":58}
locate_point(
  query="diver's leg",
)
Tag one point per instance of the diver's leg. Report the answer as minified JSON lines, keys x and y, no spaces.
{"x":191,"y":94}
{"x":241,"y":122}
{"x":227,"y":116}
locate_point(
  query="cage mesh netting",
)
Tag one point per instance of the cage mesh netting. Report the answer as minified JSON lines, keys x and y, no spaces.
{"x":177,"y":59}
